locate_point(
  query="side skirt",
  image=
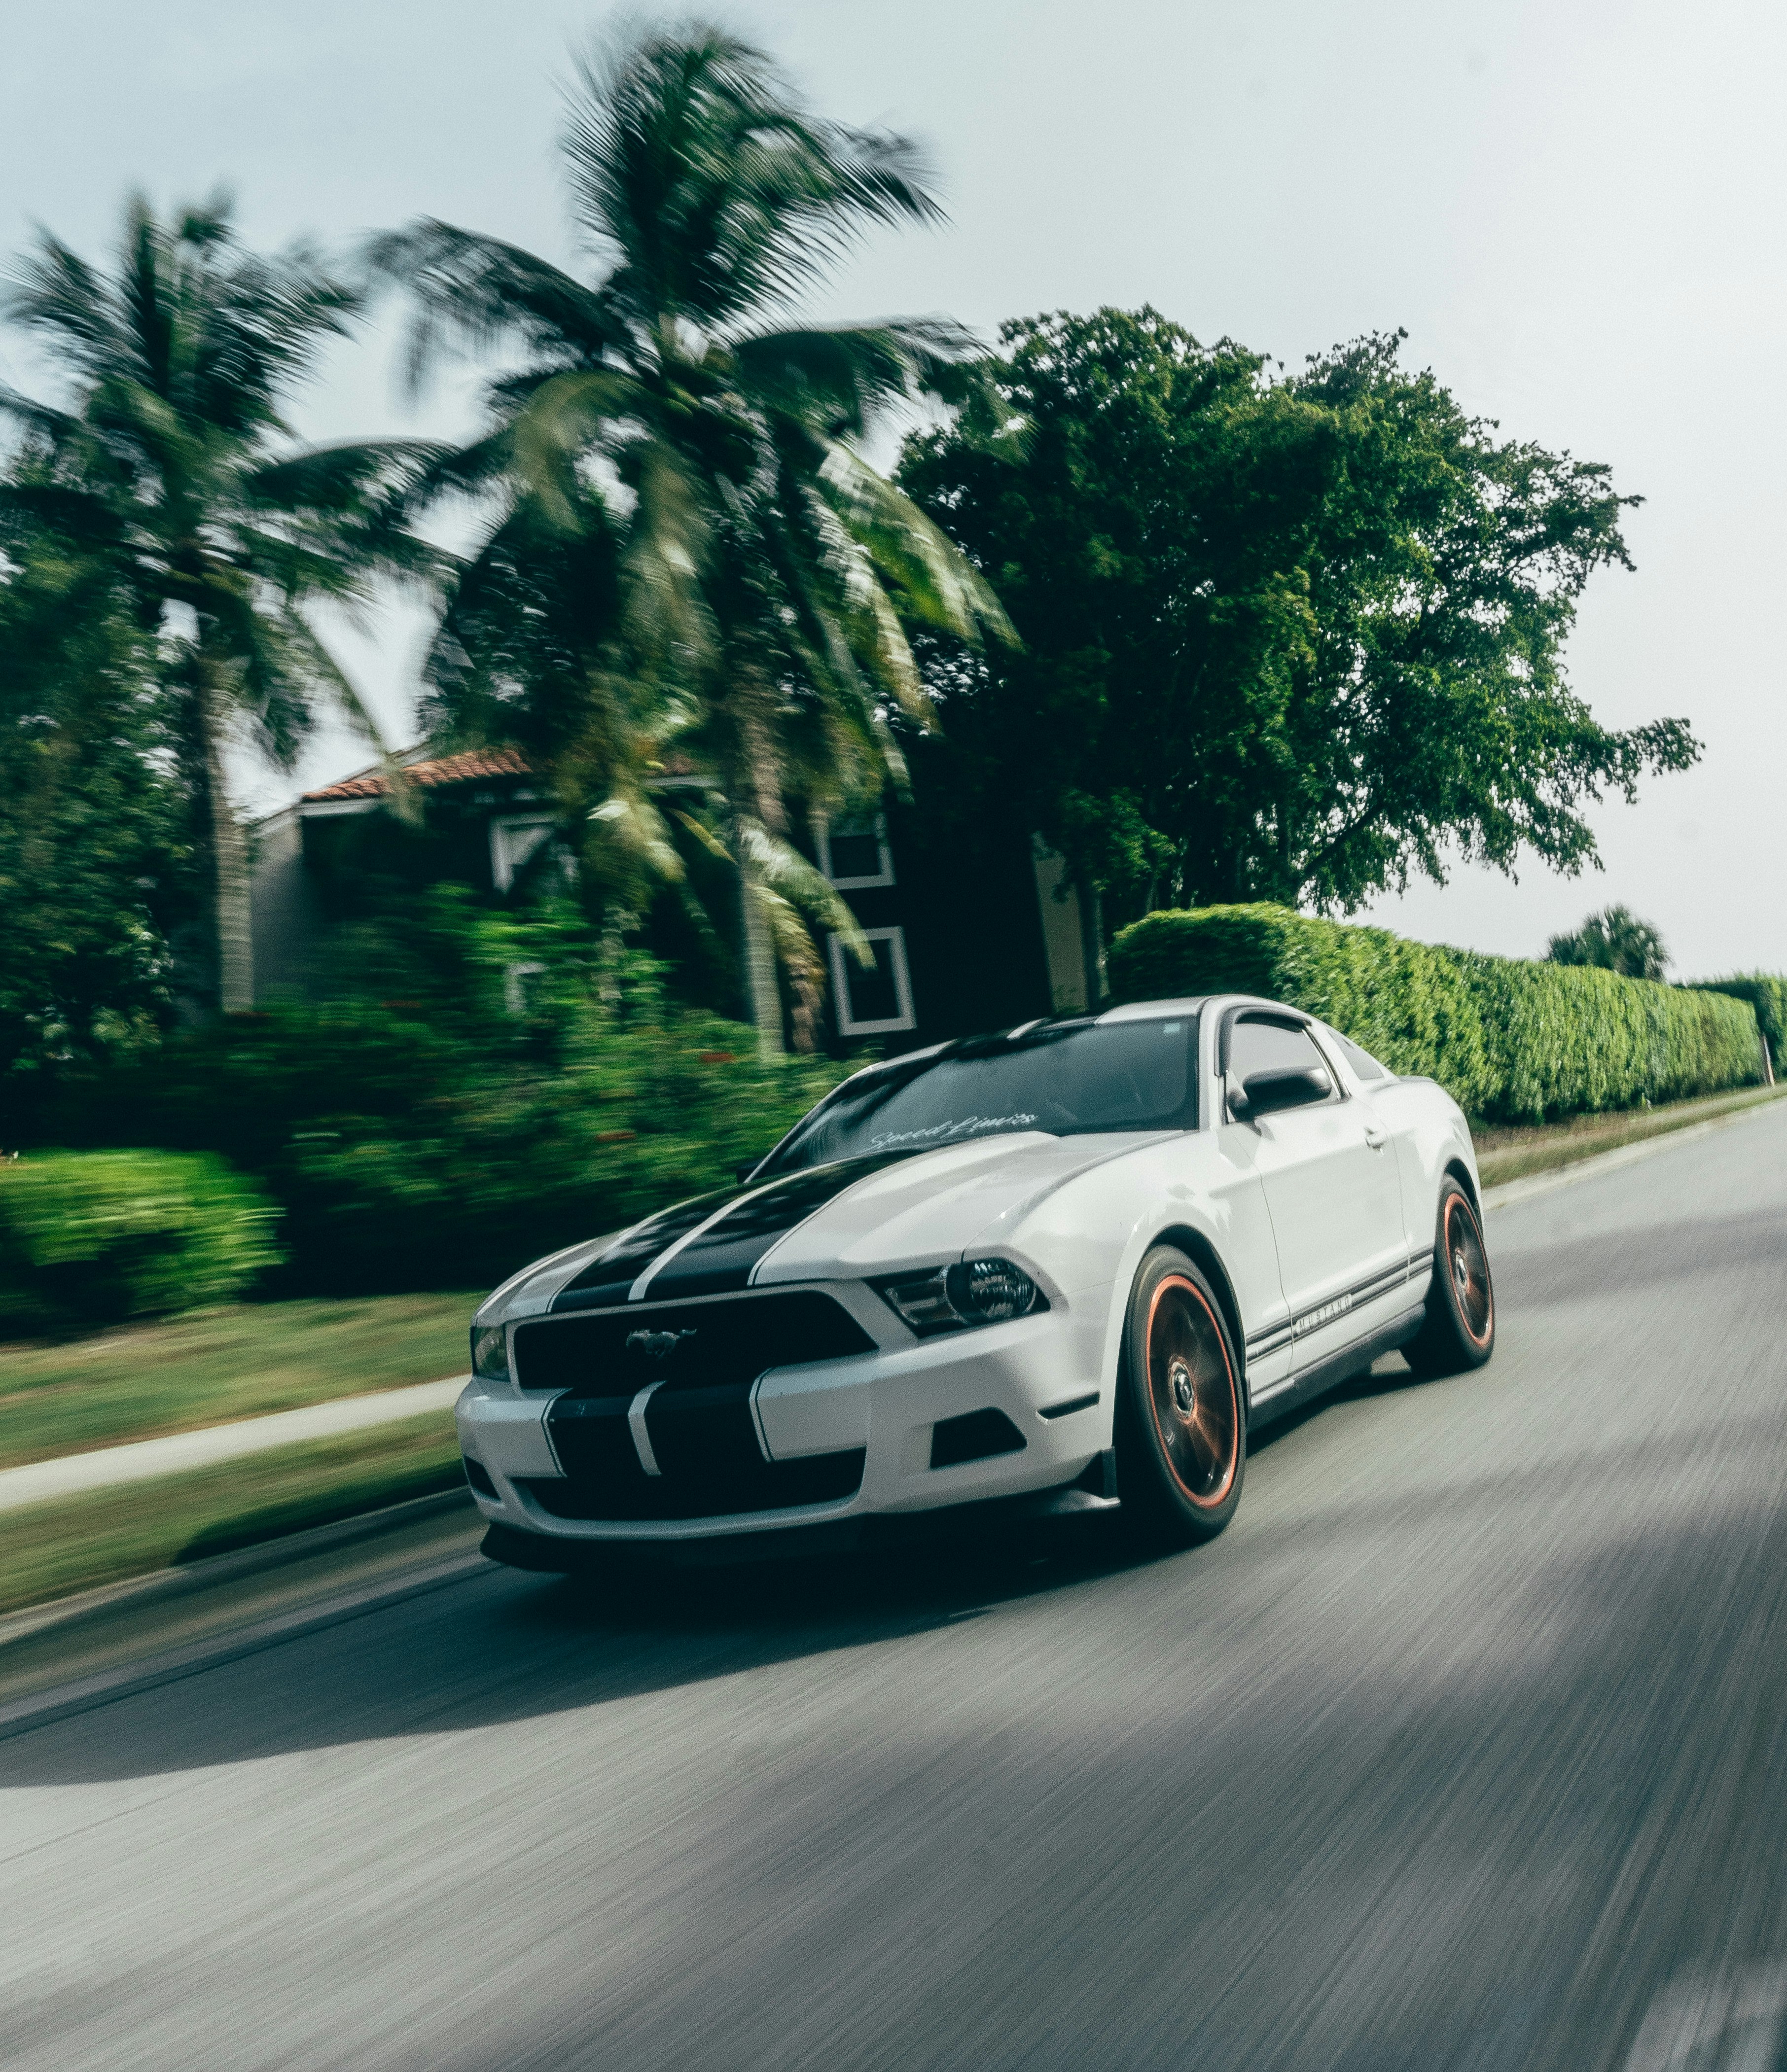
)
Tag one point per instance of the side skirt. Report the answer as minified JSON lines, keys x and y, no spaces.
{"x":1340,"y":1367}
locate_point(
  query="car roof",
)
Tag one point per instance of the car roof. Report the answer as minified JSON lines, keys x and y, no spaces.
{"x":1148,"y":1010}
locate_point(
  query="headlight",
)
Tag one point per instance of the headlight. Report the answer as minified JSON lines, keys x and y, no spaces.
{"x":978,"y":1291}
{"x":490,"y":1353}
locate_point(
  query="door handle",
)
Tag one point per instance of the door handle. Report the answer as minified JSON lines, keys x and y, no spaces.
{"x":1376,"y":1138}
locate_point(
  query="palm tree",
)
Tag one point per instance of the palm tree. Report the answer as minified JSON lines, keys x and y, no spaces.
{"x":760,"y":570}
{"x":171,"y":459}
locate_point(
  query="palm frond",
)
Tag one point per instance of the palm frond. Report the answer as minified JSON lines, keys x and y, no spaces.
{"x":564,"y":417}
{"x":473,"y":293}
{"x":349,"y":478}
{"x":840,"y":380}
{"x":57,"y":295}
{"x":636,"y":827}
{"x":699,"y":176}
{"x":937,"y":581}
{"x":781,"y":868}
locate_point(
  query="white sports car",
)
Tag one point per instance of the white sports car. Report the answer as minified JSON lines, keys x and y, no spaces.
{"x":1065,"y":1267}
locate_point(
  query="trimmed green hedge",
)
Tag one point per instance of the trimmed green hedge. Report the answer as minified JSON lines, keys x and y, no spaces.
{"x":94,"y":1237}
{"x":1768,"y":996}
{"x":1511,"y":1041}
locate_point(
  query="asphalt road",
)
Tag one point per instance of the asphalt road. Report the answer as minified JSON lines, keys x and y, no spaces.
{"x":1465,"y":1748}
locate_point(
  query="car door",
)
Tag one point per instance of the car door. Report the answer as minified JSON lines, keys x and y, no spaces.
{"x":1332,"y":1190}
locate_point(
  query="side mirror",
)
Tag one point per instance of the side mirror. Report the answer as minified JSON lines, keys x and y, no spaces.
{"x":1270,"y":1093}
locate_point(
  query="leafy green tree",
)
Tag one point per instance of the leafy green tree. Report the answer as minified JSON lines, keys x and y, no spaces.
{"x":171,"y":468}
{"x":735,"y":574}
{"x":1614,"y":940}
{"x":94,"y":846}
{"x":1285,"y":638}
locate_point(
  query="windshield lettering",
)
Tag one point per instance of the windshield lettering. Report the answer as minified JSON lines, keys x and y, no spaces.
{"x":970,"y":1125}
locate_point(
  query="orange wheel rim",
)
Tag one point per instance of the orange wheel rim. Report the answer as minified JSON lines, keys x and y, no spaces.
{"x":1191,"y":1393}
{"x":1468,"y":1264}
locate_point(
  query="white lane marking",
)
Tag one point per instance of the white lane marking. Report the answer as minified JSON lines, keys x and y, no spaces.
{"x":642,"y":1439}
{"x":1731,"y":2021}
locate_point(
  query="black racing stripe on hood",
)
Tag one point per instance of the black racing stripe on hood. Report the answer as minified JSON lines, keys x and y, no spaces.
{"x":720,"y":1259}
{"x":606,"y":1279}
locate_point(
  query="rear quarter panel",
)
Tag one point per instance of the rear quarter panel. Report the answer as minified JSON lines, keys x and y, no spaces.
{"x":1430,"y":1135}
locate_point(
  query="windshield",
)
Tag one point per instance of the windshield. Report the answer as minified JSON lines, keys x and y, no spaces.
{"x":1067,"y":1078}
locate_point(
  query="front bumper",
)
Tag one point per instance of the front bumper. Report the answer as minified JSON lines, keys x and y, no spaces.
{"x":844,"y":1439}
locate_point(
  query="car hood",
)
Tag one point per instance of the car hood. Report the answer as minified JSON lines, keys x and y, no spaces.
{"x":936,"y":1206}
{"x":846,"y":1221}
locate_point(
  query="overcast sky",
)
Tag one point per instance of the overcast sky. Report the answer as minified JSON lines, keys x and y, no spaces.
{"x":1573,"y":207}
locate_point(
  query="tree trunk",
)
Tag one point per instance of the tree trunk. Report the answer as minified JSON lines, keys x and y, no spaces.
{"x":759,"y":967}
{"x":229,"y":858}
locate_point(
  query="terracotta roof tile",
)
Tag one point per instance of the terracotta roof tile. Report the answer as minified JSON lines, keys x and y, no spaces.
{"x":463,"y":769}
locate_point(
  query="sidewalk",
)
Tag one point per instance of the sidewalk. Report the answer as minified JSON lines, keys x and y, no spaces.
{"x":146,"y":1458}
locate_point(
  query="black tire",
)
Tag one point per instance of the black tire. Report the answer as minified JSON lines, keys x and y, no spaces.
{"x":1181,"y":1413}
{"x":1460,"y":1330}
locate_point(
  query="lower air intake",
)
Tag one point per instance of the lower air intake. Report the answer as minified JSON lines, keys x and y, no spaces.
{"x":979,"y":1436}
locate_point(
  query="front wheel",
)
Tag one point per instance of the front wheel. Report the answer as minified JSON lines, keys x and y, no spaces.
{"x":1181,"y":1421}
{"x":1459,"y":1330}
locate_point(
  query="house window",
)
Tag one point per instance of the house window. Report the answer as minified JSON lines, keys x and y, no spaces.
{"x":856,"y":855}
{"x":516,"y":989}
{"x":873,"y":1003}
{"x":514,"y":842}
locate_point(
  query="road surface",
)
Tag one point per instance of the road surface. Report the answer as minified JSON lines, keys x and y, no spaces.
{"x":1465,"y":1748}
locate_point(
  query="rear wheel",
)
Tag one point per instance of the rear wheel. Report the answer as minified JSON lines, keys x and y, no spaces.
{"x":1459,"y":1331}
{"x":1181,"y":1425}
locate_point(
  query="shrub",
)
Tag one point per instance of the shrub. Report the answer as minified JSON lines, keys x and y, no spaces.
{"x":434,"y":1139}
{"x":94,"y":1237}
{"x":1513,"y":1040}
{"x":1768,"y":996}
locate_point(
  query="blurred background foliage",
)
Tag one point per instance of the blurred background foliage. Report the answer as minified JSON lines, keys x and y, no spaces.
{"x":417,"y":1131}
{"x":94,"y":1238}
{"x":97,"y":863}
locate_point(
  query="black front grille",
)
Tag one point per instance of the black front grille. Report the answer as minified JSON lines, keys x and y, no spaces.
{"x":613,"y":1352}
{"x":703,"y":1438}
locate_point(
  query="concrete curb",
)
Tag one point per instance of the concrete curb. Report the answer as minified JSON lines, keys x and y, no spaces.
{"x":241,"y":1562}
{"x":144,"y":1459}
{"x":244,"y":1629}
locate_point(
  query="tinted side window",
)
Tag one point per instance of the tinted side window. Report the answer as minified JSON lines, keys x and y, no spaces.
{"x":1270,"y":1047}
{"x":1365,"y":1066}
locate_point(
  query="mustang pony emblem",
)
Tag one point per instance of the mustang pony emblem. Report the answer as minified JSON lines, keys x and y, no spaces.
{"x":658,"y":1345}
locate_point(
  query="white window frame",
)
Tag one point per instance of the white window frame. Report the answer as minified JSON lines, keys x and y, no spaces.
{"x":878,"y":827}
{"x":514,"y":985}
{"x":842,"y":961}
{"x":503,"y":863}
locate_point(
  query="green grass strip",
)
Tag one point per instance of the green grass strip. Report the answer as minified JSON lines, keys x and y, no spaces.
{"x":1514,"y":1154}
{"x":70,"y":1544}
{"x":217,"y":1365}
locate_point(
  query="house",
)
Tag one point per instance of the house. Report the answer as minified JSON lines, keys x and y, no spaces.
{"x":971,"y":927}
